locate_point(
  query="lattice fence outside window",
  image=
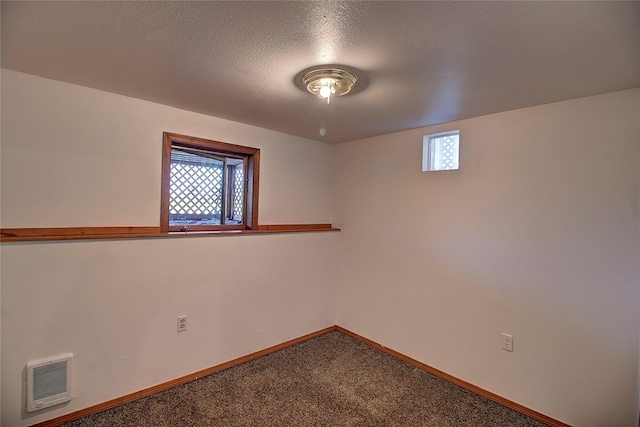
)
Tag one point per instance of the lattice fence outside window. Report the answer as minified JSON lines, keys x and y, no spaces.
{"x":238,"y":192}
{"x":198,"y":193}
{"x":195,"y":196}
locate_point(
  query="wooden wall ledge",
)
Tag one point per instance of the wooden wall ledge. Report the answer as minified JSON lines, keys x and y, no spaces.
{"x":88,"y":233}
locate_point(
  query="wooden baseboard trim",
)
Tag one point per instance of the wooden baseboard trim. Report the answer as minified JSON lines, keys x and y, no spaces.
{"x":176,"y":382}
{"x":212,"y":370}
{"x":467,"y":386}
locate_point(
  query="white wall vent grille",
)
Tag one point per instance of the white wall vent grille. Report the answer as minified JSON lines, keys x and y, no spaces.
{"x":48,"y":382}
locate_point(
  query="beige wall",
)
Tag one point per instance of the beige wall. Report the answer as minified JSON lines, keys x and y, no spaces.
{"x":536,"y":235}
{"x":73,"y":156}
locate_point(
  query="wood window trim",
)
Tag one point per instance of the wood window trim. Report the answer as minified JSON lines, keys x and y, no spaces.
{"x":252,"y":178}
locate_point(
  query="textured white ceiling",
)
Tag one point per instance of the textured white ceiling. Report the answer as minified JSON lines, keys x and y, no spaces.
{"x":420,"y":63}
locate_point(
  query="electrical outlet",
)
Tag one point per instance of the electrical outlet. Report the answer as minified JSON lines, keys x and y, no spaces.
{"x":507,"y":342}
{"x":182,"y":323}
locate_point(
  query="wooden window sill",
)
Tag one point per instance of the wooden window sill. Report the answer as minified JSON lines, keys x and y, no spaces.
{"x":93,"y":233}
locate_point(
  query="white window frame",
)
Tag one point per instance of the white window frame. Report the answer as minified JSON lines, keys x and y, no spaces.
{"x":431,"y":154}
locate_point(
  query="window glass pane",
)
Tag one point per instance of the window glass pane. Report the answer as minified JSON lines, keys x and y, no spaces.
{"x":238,"y":194}
{"x":196,"y":189}
{"x":445,"y":149}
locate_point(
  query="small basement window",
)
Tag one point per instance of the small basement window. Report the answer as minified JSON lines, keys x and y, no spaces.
{"x":208,"y":185}
{"x":441,"y":151}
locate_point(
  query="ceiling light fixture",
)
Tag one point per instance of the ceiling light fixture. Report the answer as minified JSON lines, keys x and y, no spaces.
{"x":328,"y":82}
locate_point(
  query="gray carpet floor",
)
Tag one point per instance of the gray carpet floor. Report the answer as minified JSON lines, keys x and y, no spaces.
{"x":331,"y":380}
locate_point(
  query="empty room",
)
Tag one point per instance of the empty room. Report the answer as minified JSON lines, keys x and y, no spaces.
{"x":424,"y":213}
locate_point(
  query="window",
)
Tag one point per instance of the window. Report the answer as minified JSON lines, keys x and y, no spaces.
{"x":441,"y":151}
{"x":208,"y":185}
